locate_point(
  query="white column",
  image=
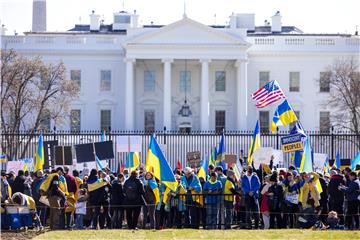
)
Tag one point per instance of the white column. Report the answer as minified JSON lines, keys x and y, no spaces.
{"x":204,"y":112}
{"x":167,"y":93}
{"x":242,"y":94}
{"x":129,"y":95}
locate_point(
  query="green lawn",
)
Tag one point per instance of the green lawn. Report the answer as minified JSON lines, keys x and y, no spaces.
{"x":200,"y":234}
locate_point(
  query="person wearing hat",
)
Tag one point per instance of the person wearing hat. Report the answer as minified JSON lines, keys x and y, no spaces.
{"x":212,"y":187}
{"x":229,"y":192}
{"x":35,"y":189}
{"x":192,"y":186}
{"x":291,"y":196}
{"x":250,"y":184}
{"x":275,"y":199}
{"x":336,"y":196}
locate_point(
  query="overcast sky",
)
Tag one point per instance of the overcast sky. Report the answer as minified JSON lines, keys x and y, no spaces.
{"x":311,"y":16}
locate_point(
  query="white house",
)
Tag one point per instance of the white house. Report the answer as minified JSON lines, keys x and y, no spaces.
{"x":187,"y":75}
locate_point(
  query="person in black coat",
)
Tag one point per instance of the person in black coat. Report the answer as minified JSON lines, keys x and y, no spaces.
{"x":134,"y":199}
{"x":19,"y":183}
{"x":336,"y":196}
{"x":116,"y":200}
{"x":324,"y":199}
{"x":275,"y":198}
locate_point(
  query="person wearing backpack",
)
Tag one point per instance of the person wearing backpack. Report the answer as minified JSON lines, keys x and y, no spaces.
{"x":134,"y":199}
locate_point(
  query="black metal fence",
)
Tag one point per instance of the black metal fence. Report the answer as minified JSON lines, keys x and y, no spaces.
{"x":177,"y":144}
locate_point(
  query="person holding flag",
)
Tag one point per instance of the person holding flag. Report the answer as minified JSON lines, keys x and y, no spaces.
{"x":220,"y":154}
{"x":152,"y":198}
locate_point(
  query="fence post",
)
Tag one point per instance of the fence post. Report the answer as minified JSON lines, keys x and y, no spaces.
{"x":277,"y":138}
{"x":332,"y":142}
{"x":165,"y":135}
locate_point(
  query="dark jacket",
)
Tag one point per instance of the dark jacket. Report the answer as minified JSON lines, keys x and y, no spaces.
{"x":35,"y":186}
{"x":352,"y":191}
{"x":99,"y":196}
{"x":117,"y":193}
{"x":324,"y":195}
{"x":275,"y":200}
{"x":334,"y":193}
{"x":19,"y":184}
{"x":139,"y":192}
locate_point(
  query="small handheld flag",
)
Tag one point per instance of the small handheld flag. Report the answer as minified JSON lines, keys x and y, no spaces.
{"x":255,"y":143}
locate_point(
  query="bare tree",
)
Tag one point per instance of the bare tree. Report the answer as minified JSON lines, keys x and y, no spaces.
{"x":343,"y":78}
{"x":31,"y":91}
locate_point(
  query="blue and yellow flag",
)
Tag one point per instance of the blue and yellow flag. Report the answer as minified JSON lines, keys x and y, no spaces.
{"x":337,"y":162}
{"x":3,"y":158}
{"x":158,"y":165}
{"x":99,"y":163}
{"x":355,"y":162}
{"x":204,"y":168}
{"x":306,"y":160}
{"x":133,"y":161}
{"x":154,"y":187}
{"x":99,"y":183}
{"x":220,"y":154}
{"x":39,"y":163}
{"x":255,"y":143}
{"x":283,"y":116}
{"x":327,"y":166}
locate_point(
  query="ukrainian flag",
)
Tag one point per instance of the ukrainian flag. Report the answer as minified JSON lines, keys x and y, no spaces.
{"x":99,"y":183}
{"x":306,"y":160}
{"x":133,"y":161}
{"x":326,"y":166}
{"x":220,"y":155}
{"x":158,"y":165}
{"x":255,"y":143}
{"x":154,"y":187}
{"x":355,"y":162}
{"x":39,"y":163}
{"x":204,"y":168}
{"x":284,"y":115}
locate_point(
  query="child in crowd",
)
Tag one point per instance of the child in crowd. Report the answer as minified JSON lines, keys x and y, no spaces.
{"x":333,"y":220}
{"x":80,"y":211}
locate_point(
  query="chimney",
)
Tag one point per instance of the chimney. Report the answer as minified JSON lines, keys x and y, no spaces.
{"x":276,"y":23}
{"x":94,"y":22}
{"x":135,"y":20}
{"x":39,"y":16}
{"x":3,"y":30}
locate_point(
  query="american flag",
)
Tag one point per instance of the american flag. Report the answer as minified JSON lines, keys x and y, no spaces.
{"x":268,"y":94}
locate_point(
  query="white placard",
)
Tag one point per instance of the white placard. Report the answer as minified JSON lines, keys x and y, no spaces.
{"x":262,"y":156}
{"x":319,"y":160}
{"x":29,"y":162}
{"x":15,"y":166}
{"x":126,"y":143}
{"x":278,"y":157}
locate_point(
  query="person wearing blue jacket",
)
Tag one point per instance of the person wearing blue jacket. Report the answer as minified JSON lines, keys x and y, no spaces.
{"x":250,"y":185}
{"x":212,"y":188}
{"x":192,"y":186}
{"x":352,"y":193}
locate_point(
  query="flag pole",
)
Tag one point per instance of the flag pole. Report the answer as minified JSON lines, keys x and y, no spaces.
{"x":94,"y":151}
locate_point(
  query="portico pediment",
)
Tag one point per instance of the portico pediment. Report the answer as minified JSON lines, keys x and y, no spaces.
{"x":186,"y":32}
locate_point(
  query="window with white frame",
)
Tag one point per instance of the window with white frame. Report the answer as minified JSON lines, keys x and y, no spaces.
{"x":325,"y":81}
{"x":149,"y":81}
{"x":324,"y":121}
{"x":149,"y":121}
{"x":75,"y":120}
{"x":264,"y":121}
{"x":185,"y":81}
{"x":264,"y":78}
{"x":105,"y":80}
{"x":220,"y":81}
{"x":220,"y":120}
{"x":294,"y":81}
{"x":75,"y":76}
{"x":105,"y":120}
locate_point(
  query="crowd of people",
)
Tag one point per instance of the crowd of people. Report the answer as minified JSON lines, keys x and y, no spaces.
{"x":257,"y":198}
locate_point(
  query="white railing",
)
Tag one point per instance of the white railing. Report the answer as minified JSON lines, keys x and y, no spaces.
{"x":294,"y":41}
{"x":264,"y":41}
{"x":75,"y":40}
{"x":45,"y":39}
{"x":324,"y":41}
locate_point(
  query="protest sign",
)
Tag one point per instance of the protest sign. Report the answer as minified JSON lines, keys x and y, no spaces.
{"x":230,"y":158}
{"x":15,"y":166}
{"x":319,"y":160}
{"x":262,"y":156}
{"x":128,"y":143}
{"x":292,"y":143}
{"x":193,"y":158}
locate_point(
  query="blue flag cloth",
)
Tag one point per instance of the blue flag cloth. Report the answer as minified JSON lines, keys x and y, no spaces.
{"x":338,"y":161}
{"x":355,"y":162}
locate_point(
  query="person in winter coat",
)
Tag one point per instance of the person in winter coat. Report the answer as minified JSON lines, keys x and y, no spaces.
{"x":152,"y":198}
{"x":229,"y":191}
{"x":98,"y":195}
{"x":55,"y":197}
{"x":134,"y":199}
{"x":192,"y":186}
{"x":35,"y":189}
{"x":352,"y":192}
{"x":19,"y":183}
{"x":250,"y":185}
{"x":116,"y":201}
{"x":275,"y":199}
{"x":211,"y":187}
{"x":336,"y":196}
{"x":290,"y":204}
{"x":264,"y":207}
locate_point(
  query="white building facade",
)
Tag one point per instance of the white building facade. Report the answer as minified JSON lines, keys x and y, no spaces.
{"x":136,"y":77}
